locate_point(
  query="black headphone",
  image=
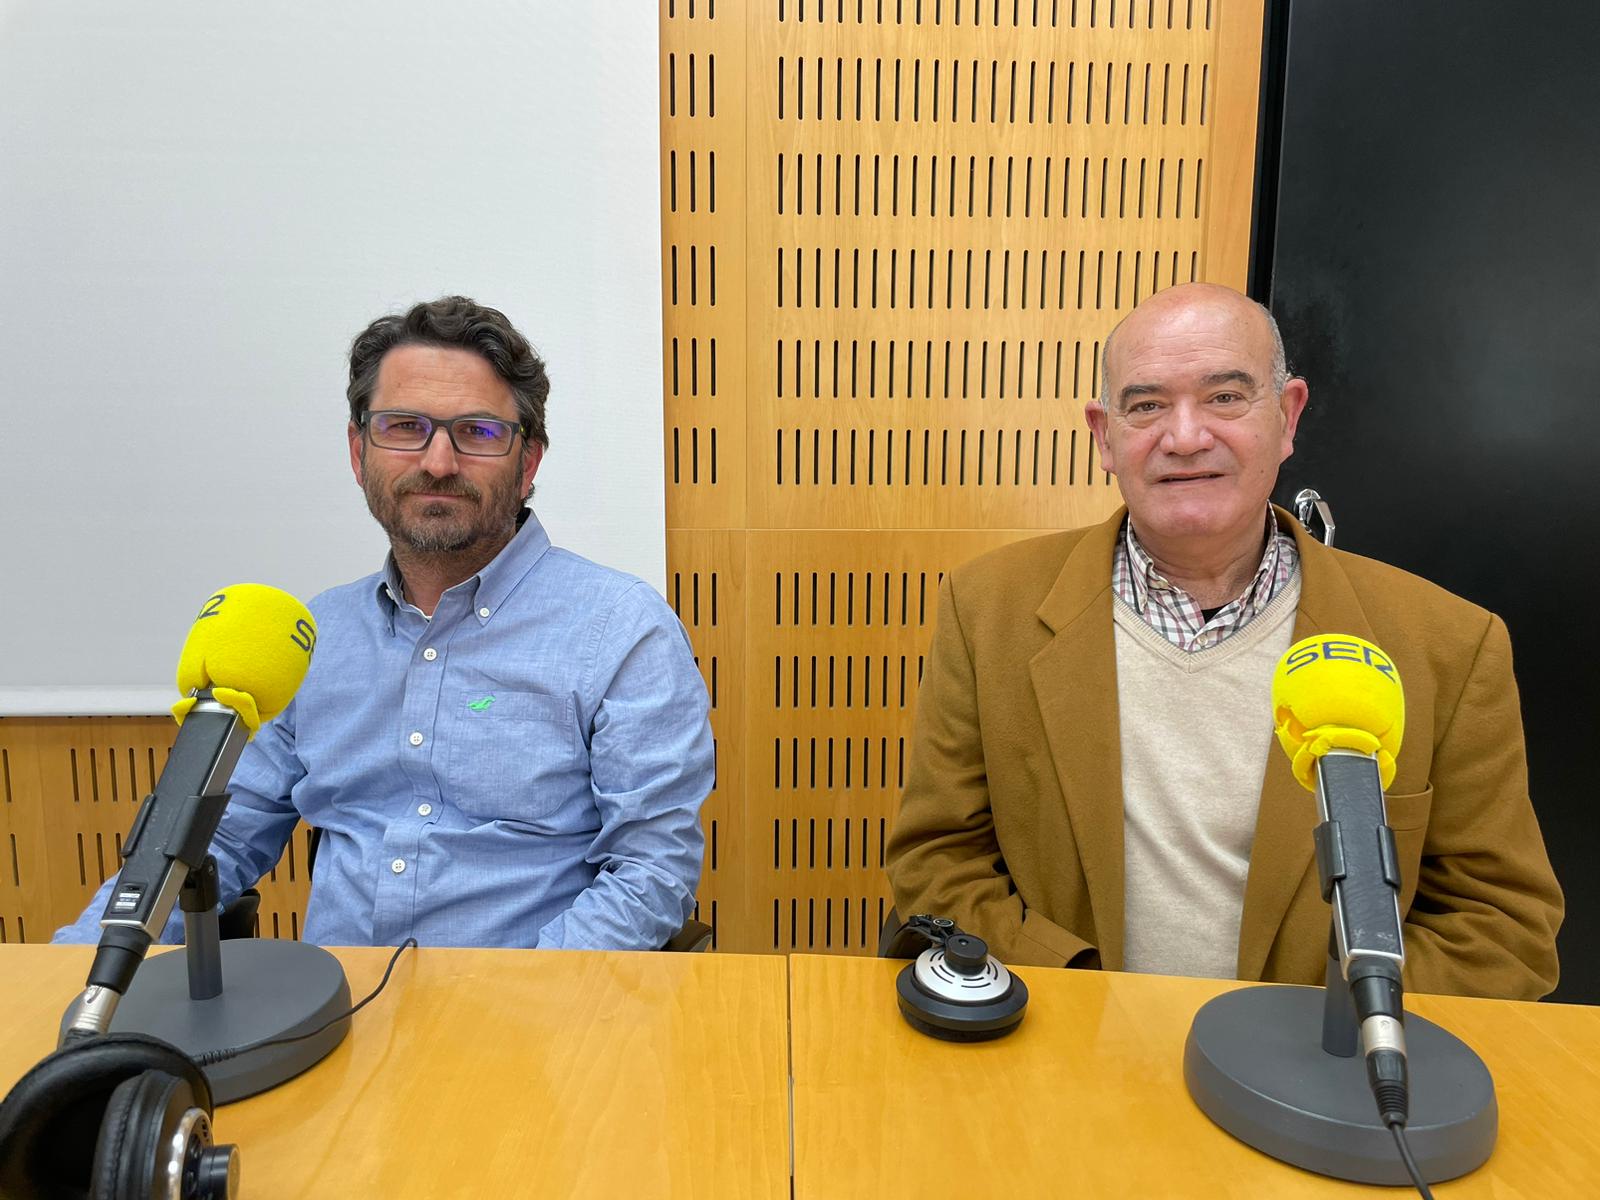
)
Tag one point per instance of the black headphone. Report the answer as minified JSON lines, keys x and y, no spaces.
{"x":954,"y":990}
{"x":120,"y":1117}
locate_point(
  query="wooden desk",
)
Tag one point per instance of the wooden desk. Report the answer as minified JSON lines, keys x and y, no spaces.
{"x":503,"y":1073}
{"x":1087,"y":1097}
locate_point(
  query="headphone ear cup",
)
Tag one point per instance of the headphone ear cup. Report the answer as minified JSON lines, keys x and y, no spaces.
{"x":953,"y":1020}
{"x":918,"y":1021}
{"x":134,"y":1126}
{"x":50,"y":1122}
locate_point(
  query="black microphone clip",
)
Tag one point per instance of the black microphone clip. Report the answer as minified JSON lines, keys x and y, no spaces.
{"x":1359,"y":867}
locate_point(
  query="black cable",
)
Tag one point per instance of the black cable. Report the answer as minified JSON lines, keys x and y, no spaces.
{"x":215,"y":1056}
{"x":1399,"y":1132}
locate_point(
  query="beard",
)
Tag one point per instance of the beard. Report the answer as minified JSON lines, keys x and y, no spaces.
{"x":439,"y":526}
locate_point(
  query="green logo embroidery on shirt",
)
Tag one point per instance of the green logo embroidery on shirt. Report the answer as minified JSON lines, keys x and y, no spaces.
{"x":480,"y":705}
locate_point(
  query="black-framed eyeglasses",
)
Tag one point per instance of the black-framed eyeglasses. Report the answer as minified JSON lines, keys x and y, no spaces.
{"x":483,"y":437}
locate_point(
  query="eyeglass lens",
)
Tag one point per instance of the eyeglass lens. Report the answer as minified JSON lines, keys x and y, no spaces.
{"x":411,"y":431}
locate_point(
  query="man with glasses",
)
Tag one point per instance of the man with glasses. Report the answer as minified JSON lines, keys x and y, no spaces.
{"x":502,"y":744}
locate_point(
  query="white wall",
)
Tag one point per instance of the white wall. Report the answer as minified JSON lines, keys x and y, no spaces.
{"x":200,"y":205}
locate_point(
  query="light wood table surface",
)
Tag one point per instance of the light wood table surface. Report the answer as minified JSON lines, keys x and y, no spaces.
{"x":1087,"y":1098}
{"x":503,"y":1073}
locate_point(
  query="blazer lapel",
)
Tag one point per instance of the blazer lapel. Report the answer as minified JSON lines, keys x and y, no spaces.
{"x":1074,"y":680}
{"x":1282,"y":850}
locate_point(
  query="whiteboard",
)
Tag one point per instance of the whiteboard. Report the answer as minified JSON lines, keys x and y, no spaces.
{"x":201,"y":204}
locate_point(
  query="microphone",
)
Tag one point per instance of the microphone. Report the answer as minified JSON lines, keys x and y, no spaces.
{"x":1338,"y":709}
{"x":242,"y":662}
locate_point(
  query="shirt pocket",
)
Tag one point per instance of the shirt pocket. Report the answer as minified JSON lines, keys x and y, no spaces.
{"x":517,"y":757}
{"x":1408,"y":817}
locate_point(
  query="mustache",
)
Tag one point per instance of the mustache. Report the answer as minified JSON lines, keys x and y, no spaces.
{"x":449,"y":485}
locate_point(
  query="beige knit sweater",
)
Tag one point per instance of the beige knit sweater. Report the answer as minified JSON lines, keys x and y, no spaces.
{"x":1196,"y":732}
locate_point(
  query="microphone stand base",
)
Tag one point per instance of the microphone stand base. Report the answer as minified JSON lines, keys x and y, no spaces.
{"x":1255,"y":1065}
{"x":271,"y":989}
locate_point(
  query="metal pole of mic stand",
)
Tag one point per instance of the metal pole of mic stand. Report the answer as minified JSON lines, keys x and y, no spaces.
{"x":1341,"y":1030}
{"x":202,"y":934}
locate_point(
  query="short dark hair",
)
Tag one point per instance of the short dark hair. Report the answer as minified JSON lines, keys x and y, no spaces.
{"x":455,"y":321}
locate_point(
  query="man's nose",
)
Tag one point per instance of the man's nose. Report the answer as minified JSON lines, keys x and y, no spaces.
{"x":1187,"y":430}
{"x":439,"y":455}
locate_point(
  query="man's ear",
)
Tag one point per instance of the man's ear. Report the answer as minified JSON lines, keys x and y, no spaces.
{"x":532,"y":456}
{"x":1292,"y":404}
{"x":1099,"y":425}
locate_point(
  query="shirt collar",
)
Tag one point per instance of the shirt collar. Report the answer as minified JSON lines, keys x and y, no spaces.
{"x":1144,"y":576}
{"x":489,"y":587}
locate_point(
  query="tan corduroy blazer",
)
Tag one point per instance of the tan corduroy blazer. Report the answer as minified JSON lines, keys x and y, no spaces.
{"x":1011,"y":821}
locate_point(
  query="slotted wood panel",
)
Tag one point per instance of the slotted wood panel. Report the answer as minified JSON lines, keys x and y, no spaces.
{"x":894,"y":236}
{"x":71,"y":787}
{"x":706,"y":587}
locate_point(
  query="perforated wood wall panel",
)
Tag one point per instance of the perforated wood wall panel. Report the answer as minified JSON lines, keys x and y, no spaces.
{"x":894,"y":236}
{"x":69,"y":789}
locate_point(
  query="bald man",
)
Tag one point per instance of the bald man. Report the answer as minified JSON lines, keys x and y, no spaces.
{"x":1093,"y":780}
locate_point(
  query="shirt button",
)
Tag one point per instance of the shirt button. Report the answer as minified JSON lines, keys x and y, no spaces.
{"x":416,"y":739}
{"x":424,"y":809}
{"x":483,"y":612}
{"x":430,"y":654}
{"x":398,"y":866}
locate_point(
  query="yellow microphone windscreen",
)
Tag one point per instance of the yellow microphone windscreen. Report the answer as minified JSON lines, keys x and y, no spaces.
{"x":251,"y":645}
{"x":1335,"y":691}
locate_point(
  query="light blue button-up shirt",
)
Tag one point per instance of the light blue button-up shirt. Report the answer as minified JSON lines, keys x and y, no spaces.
{"x":525,"y":768}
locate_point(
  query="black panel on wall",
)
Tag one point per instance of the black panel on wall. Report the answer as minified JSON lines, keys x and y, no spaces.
{"x":1435,"y":265}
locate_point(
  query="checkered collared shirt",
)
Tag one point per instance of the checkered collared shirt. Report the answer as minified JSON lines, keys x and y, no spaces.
{"x":1174,"y":614}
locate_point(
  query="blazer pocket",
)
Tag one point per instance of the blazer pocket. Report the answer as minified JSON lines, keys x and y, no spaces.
{"x":1408,"y":817}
